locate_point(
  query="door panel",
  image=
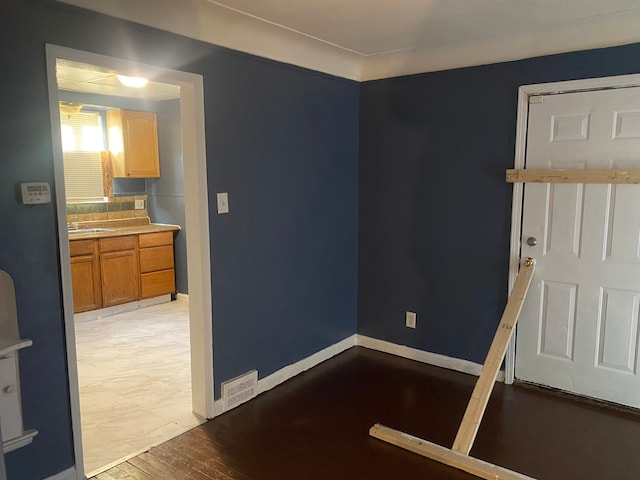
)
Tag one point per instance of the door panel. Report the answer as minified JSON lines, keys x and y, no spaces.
{"x":563,"y":222}
{"x":618,"y":330}
{"x":623,"y":227}
{"x":578,"y":330}
{"x":558,"y":319}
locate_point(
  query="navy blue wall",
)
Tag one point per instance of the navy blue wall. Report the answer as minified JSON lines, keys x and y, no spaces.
{"x":434,"y":209}
{"x":281,"y":140}
{"x":288,"y":246}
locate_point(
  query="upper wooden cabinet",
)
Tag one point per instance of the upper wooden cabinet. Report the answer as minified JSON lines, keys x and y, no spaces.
{"x":133,"y":142}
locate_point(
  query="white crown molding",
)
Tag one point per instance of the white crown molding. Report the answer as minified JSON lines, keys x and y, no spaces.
{"x":595,"y":32}
{"x":211,"y":23}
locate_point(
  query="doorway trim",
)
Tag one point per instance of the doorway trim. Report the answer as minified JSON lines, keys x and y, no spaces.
{"x":524,"y":92}
{"x":197,"y":224}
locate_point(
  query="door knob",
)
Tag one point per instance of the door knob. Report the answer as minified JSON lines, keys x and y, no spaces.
{"x":532,"y":241}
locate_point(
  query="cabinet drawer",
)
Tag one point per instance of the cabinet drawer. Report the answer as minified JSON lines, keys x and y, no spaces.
{"x":156,"y":258}
{"x":113,"y":244}
{"x":81,"y":247}
{"x":157,"y":283}
{"x":155,"y":239}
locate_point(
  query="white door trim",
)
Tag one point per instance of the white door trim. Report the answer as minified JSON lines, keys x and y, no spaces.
{"x":524,"y":92}
{"x":197,"y":224}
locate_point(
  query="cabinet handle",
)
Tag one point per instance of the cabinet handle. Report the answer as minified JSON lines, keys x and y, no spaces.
{"x":9,"y":389}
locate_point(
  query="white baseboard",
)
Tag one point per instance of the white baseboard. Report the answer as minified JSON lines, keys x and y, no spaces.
{"x":290,"y":371}
{"x":69,"y":474}
{"x":125,"y":307}
{"x":423,"y":356}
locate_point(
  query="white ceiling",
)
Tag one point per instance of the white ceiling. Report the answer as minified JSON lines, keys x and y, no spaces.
{"x":85,"y":78}
{"x":369,"y":39}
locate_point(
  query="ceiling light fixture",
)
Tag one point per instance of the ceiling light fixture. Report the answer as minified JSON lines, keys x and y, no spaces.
{"x":135,"y":82}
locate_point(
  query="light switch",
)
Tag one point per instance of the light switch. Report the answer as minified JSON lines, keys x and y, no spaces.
{"x":139,"y":205}
{"x":223,"y":202}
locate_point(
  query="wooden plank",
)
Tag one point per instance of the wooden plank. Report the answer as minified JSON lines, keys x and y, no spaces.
{"x":444,"y":455}
{"x":210,"y":467}
{"x":210,"y":455}
{"x":175,"y":461}
{"x":156,"y":469}
{"x":572,"y":176}
{"x":134,"y":472}
{"x":482,"y":391}
{"x":107,"y":476}
{"x":119,"y":473}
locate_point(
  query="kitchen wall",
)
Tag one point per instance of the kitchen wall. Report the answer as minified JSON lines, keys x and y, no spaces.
{"x":281,"y":140}
{"x":166,"y":194}
{"x":434,"y":208}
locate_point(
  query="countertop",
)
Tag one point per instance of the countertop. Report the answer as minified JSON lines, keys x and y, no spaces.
{"x":119,"y":231}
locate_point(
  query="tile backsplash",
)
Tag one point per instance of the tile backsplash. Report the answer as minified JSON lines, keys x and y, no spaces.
{"x":115,"y":208}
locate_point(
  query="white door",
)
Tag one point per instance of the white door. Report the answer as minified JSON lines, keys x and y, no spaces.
{"x":578,"y":330}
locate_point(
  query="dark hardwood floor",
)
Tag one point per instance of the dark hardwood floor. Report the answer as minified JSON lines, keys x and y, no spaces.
{"x":316,"y":427}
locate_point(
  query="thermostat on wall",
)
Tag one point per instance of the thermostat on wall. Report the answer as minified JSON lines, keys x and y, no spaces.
{"x":35,"y":193}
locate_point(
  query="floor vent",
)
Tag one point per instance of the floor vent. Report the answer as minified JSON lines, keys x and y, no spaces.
{"x":239,"y":389}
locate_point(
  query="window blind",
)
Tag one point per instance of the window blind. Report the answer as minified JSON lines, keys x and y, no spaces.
{"x":82,"y":142}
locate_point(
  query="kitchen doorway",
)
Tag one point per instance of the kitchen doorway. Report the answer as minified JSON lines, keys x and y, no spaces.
{"x":198,"y":306}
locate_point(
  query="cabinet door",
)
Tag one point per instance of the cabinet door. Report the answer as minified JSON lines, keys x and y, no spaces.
{"x":133,"y":142}
{"x":119,"y":277}
{"x":85,"y":281}
{"x":141,"y":144}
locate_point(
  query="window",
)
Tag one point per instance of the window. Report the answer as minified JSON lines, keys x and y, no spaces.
{"x":82,"y":144}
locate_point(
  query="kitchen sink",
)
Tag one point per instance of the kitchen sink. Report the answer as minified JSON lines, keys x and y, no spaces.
{"x":87,"y":231}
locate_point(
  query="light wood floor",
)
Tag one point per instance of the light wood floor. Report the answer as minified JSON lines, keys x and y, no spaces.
{"x":135,"y":382}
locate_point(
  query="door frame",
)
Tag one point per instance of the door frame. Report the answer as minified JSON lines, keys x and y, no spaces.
{"x":197,"y":224}
{"x":524,"y":92}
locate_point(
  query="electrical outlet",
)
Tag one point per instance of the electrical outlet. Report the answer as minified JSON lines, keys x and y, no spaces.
{"x":410,"y":320}
{"x":139,"y":205}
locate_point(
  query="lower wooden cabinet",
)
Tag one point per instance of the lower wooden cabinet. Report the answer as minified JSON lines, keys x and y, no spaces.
{"x":115,"y":270}
{"x":119,"y":277}
{"x":85,"y":281}
{"x":118,"y":270}
{"x":85,"y":276}
{"x":157,"y":274}
{"x":154,"y":284}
